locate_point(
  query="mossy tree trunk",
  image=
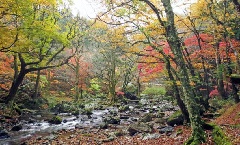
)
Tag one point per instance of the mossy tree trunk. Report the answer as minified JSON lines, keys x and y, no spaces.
{"x":198,"y":135}
{"x":176,"y":92}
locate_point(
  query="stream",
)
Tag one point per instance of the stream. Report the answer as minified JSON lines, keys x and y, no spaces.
{"x":44,"y":129}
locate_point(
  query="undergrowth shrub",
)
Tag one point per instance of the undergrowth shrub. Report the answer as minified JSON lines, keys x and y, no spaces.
{"x":154,"y":91}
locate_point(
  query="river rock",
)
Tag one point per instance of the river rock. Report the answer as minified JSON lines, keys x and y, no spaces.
{"x":130,"y":96}
{"x":55,"y":120}
{"x":79,"y":126}
{"x":147,"y":117}
{"x":16,"y":128}
{"x":123,"y":108}
{"x":112,"y":120}
{"x":167,"y":129}
{"x":124,"y":117}
{"x":160,"y":120}
{"x":160,"y":114}
{"x":151,"y":136}
{"x":3,"y":134}
{"x":103,"y":126}
{"x":139,"y":128}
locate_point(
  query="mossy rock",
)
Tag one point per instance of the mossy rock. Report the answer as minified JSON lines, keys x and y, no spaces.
{"x":87,"y":112}
{"x":112,"y":120}
{"x":160,"y":114}
{"x":55,"y":120}
{"x":139,"y":128}
{"x":123,"y":108}
{"x":147,"y":117}
{"x":175,"y":119}
{"x":235,"y":78}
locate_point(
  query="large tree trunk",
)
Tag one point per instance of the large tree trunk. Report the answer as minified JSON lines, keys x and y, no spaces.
{"x":198,"y":135}
{"x":15,"y":85}
{"x":176,"y":93}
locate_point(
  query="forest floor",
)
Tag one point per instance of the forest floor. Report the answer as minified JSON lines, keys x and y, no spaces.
{"x":229,"y":122}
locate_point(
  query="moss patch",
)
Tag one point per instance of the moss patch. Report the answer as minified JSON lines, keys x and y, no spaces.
{"x":219,"y":137}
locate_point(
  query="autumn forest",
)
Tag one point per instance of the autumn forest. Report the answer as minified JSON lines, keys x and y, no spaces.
{"x":140,"y":72}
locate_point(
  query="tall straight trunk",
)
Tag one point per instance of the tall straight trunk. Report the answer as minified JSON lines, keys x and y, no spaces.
{"x":198,"y":135}
{"x":77,"y":80}
{"x":177,"y":93}
{"x":220,"y":84}
{"x":112,"y":77}
{"x":36,"y":88}
{"x":205,"y":78}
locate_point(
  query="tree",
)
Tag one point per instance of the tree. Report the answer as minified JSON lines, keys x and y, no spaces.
{"x":109,"y":62}
{"x":42,"y":38}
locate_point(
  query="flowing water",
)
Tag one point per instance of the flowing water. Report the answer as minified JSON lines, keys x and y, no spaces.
{"x":43,"y":128}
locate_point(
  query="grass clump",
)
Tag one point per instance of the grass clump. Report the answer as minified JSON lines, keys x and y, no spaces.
{"x":154,"y":91}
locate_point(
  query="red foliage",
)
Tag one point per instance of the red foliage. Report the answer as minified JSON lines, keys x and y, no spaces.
{"x":120,"y":94}
{"x":84,"y":70}
{"x":150,"y":64}
{"x":6,"y":71}
{"x":207,"y":47}
{"x":214,"y":93}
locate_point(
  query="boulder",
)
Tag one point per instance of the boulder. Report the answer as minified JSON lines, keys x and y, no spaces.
{"x":147,"y":117}
{"x":175,"y":119}
{"x":55,"y":120}
{"x":151,"y":136}
{"x":130,"y":96}
{"x":79,"y":126}
{"x":112,"y":120}
{"x":160,"y":114}
{"x":160,"y":120}
{"x":139,"y":128}
{"x":3,"y":134}
{"x":103,"y":126}
{"x":167,"y":129}
{"x":123,"y":108}
{"x":16,"y":128}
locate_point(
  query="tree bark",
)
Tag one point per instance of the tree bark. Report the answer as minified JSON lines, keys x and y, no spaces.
{"x":176,"y":93}
{"x":36,"y":88}
{"x":220,"y":84}
{"x":198,"y":135}
{"x":15,"y":85}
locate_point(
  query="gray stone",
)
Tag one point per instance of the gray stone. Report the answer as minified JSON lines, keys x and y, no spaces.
{"x":151,"y":136}
{"x":167,"y":129}
{"x":139,"y":128}
{"x":16,"y":128}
